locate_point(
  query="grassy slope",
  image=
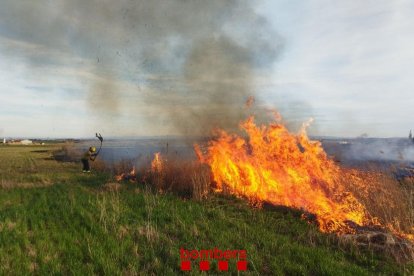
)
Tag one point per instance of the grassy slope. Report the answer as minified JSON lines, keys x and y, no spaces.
{"x":67,"y":223}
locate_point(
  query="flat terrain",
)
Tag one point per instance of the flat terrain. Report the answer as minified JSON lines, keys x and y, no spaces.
{"x":33,"y":166}
{"x":56,"y":220}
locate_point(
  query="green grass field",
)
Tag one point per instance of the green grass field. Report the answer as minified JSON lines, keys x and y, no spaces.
{"x":56,"y":220}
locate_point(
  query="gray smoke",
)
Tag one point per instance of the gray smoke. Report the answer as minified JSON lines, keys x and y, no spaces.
{"x":198,"y":58}
{"x":370,"y":149}
{"x":396,"y":149}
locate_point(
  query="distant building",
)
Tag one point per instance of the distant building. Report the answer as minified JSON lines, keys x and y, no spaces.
{"x":4,"y":140}
{"x":26,"y":142}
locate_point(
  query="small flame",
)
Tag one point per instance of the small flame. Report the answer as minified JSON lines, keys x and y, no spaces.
{"x":156,"y":164}
{"x":127,"y":176}
{"x":119,"y":177}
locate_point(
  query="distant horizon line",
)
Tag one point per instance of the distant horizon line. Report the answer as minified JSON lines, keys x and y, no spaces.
{"x":318,"y":137}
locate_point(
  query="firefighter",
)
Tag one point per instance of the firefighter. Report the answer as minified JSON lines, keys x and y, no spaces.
{"x":89,"y":155}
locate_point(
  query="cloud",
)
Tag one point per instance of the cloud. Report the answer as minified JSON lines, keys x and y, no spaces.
{"x":351,"y":62}
{"x":154,"y":67}
{"x":192,"y":61}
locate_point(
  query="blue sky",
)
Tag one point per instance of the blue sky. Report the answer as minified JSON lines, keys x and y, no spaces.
{"x":347,"y":64}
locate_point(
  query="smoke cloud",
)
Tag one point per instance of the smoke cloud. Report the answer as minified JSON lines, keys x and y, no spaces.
{"x":195,"y":61}
{"x":396,"y":149}
{"x":353,"y":151}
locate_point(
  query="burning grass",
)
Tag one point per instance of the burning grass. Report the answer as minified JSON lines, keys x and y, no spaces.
{"x":276,"y":166}
{"x":186,"y":178}
{"x":384,"y":200}
{"x":273,"y":165}
{"x":86,"y":223}
{"x":389,"y":201}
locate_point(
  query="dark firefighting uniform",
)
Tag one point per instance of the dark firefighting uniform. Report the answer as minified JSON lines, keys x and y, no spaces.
{"x":85,"y":160}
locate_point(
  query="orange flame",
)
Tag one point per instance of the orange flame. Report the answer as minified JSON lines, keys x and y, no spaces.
{"x":156,"y":164}
{"x":126,"y":176}
{"x":273,"y":165}
{"x":119,"y":177}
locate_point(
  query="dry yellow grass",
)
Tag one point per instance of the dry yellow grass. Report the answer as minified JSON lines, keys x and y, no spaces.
{"x":184,"y":177}
{"x":385,"y":198}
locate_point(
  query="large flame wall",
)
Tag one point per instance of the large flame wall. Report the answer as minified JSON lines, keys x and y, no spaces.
{"x":271,"y":164}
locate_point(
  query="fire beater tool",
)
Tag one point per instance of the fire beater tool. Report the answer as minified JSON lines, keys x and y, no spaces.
{"x":99,"y":136}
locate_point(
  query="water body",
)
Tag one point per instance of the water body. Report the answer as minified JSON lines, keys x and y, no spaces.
{"x":345,"y":150}
{"x":140,"y":151}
